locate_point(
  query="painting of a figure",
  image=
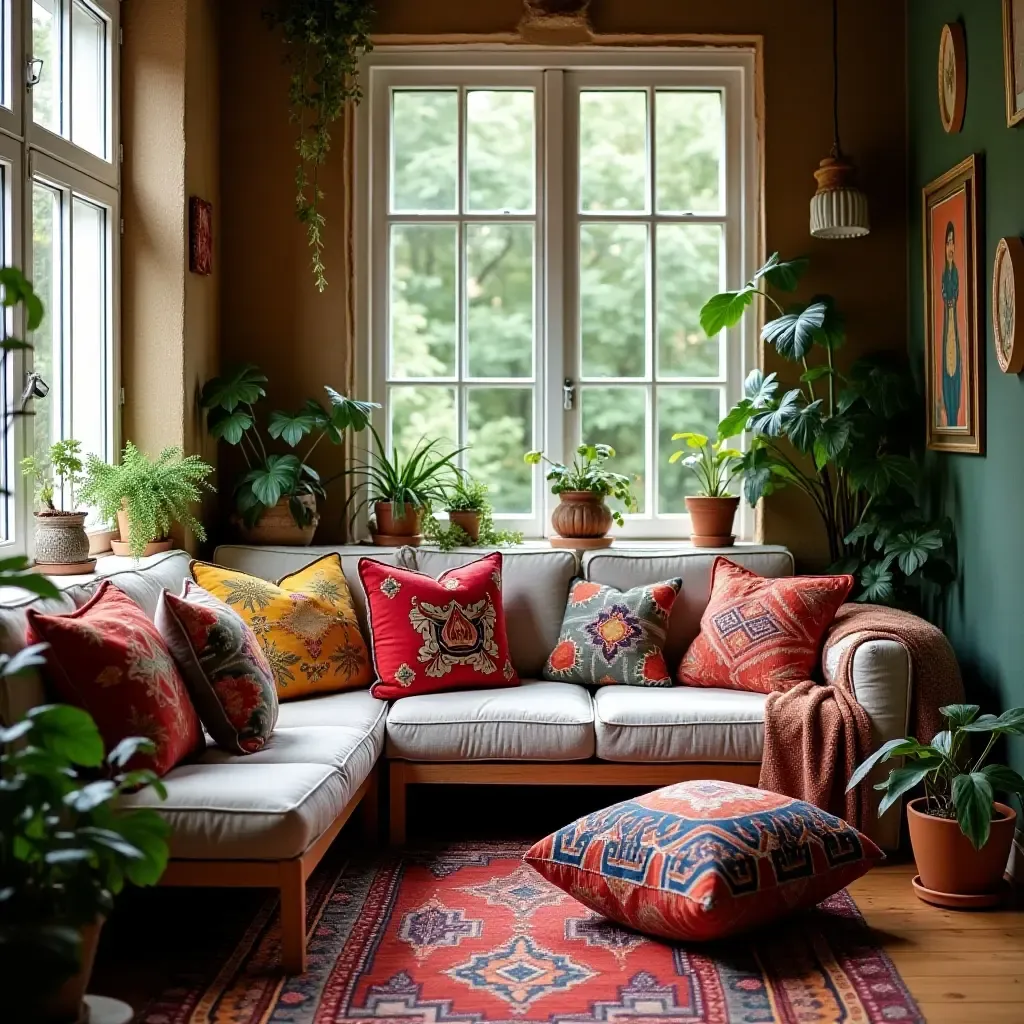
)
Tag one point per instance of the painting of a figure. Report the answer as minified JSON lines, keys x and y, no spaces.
{"x":949,"y":222}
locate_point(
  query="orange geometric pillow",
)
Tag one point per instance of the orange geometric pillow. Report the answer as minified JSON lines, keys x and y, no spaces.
{"x":759,"y":634}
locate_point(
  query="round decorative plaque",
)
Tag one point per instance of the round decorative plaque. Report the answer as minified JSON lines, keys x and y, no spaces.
{"x":952,"y":76}
{"x":1008,"y":304}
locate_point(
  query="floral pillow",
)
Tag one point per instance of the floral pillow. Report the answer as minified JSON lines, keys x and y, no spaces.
{"x":224,"y":668}
{"x":614,"y":636}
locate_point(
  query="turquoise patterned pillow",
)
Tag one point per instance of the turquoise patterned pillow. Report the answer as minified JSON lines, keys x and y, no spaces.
{"x":614,"y":636}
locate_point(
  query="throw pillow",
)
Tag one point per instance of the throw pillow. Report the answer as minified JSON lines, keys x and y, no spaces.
{"x":109,"y":659}
{"x":226,"y":672}
{"x":702,"y":860}
{"x":305,"y":623}
{"x":431,"y":635}
{"x":614,"y":636}
{"x":761,"y":634}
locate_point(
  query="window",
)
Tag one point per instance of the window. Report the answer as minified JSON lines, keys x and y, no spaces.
{"x":541,"y":239}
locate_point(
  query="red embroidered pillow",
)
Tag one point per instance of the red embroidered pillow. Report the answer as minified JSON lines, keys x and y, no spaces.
{"x":109,"y":659}
{"x":702,"y":860}
{"x":761,"y":634}
{"x":431,"y":635}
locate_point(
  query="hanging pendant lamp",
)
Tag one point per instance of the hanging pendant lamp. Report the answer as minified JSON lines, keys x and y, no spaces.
{"x":838,"y":209}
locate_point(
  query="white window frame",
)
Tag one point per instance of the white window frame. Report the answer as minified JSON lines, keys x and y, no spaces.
{"x":13,"y":71}
{"x":561,"y":71}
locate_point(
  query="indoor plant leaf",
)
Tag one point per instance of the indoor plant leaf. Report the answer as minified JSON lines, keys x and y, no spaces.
{"x":1002,"y":777}
{"x":804,"y":426}
{"x":972,"y":801}
{"x":725,"y":310}
{"x":832,"y":440}
{"x":913,"y":548}
{"x":783,"y":274}
{"x":902,"y":780}
{"x":792,"y":334}
{"x":774,"y":422}
{"x":960,"y":714}
{"x":69,"y":732}
{"x":229,"y":426}
{"x":291,"y":428}
{"x":877,"y":580}
{"x":242,"y":386}
{"x":759,"y":389}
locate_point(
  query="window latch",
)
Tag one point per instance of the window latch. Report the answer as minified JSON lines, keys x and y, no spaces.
{"x":568,"y":394}
{"x":33,"y":71}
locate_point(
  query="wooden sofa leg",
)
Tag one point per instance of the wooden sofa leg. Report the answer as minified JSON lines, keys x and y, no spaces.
{"x":396,"y":815}
{"x":293,"y":917}
{"x":369,"y":808}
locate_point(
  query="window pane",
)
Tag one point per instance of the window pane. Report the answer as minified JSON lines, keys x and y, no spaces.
{"x":46,"y":93}
{"x":618,"y":416}
{"x":425,"y":150}
{"x":423,"y":276}
{"x":88,"y":80}
{"x":89,"y":390}
{"x":613,"y":299}
{"x":46,"y":280}
{"x":499,"y":150}
{"x":422,"y":413}
{"x":690,"y":141}
{"x":500,"y":431}
{"x":679,"y":410}
{"x":499,"y":290}
{"x":688,"y":262}
{"x":613,"y":151}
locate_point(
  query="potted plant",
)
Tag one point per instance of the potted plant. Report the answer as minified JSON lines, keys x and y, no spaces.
{"x":581,"y":518}
{"x":713,"y":509}
{"x":61,"y":545}
{"x":465,"y":504}
{"x":961,"y":835}
{"x":147,"y":496}
{"x":276,"y":496}
{"x":66,"y":851}
{"x":470,"y":519}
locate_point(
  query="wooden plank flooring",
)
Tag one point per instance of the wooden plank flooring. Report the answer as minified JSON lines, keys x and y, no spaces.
{"x":962,"y":967}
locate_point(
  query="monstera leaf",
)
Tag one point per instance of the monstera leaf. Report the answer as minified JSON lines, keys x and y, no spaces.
{"x":243,"y":386}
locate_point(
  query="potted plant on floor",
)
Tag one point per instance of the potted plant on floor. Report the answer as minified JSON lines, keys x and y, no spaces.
{"x":147,"y":496}
{"x":66,"y":851}
{"x":581,"y":518}
{"x":61,"y":543}
{"x":470,"y":519}
{"x":713,"y":509}
{"x":276,"y":497}
{"x":401,"y":488}
{"x":961,"y":835}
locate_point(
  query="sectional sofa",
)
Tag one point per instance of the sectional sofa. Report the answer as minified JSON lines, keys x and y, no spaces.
{"x":266,"y":819}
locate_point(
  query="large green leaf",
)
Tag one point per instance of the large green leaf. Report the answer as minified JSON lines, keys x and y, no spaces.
{"x":883,"y":753}
{"x":725,"y":310}
{"x":291,"y":427}
{"x":275,"y":477}
{"x":758,"y":476}
{"x":736,"y":420}
{"x":876,"y":579}
{"x":68,"y":732}
{"x":242,"y":386}
{"x":349,"y":413}
{"x":147,"y":831}
{"x":876,"y":475}
{"x":792,"y":334}
{"x":832,"y":440}
{"x":760,"y":390}
{"x":773,"y":421}
{"x":229,"y":426}
{"x":1001,"y":777}
{"x":1009,"y":723}
{"x":913,"y":548}
{"x":960,"y":714}
{"x":783,"y":274}
{"x":902,"y":780}
{"x":804,"y":427}
{"x":832,"y":332}
{"x":972,"y":801}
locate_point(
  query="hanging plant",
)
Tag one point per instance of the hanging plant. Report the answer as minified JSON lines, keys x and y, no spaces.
{"x":324,"y":40}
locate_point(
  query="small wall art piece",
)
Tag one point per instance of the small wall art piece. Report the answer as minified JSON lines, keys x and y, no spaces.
{"x":1008,"y":304}
{"x":200,"y":236}
{"x":952,"y":76}
{"x":1013,"y":59}
{"x":953,"y":319}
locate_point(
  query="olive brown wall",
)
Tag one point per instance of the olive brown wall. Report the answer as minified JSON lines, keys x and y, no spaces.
{"x":272,"y":315}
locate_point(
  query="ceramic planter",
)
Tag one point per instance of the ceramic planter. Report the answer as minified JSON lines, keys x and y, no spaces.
{"x":61,"y":538}
{"x":947,"y":862}
{"x":121,"y":546}
{"x":277,"y":525}
{"x":468,"y":522}
{"x":582,"y":515}
{"x":712,"y":519}
{"x":65,"y":1005}
{"x":392,"y":529}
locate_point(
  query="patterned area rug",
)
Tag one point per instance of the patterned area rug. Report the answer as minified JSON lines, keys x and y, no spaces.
{"x":468,"y":934}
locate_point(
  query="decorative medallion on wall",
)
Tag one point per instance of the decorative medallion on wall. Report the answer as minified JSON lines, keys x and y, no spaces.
{"x":200,"y":236}
{"x":1013,"y":59}
{"x":555,"y":22}
{"x":952,"y":76}
{"x":1008,"y":304}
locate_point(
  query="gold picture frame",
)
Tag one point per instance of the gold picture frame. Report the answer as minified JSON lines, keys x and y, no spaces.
{"x":1008,"y":304}
{"x":952,"y":76}
{"x":1013,"y":60}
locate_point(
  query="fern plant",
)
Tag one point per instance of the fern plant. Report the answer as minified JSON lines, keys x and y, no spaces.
{"x":153,"y":494}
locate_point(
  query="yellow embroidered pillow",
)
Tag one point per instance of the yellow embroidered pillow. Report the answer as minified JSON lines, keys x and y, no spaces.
{"x":305,"y":623}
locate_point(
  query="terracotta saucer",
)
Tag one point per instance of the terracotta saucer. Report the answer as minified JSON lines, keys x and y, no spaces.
{"x":387,"y":540}
{"x":65,"y":568}
{"x":725,"y":541}
{"x":955,"y":901}
{"x":582,"y":543}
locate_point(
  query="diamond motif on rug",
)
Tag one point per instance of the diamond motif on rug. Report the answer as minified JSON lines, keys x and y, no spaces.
{"x":523,"y":892}
{"x":598,"y":931}
{"x":433,"y":926}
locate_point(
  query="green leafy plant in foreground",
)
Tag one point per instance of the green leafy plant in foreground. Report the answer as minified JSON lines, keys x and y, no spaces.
{"x":59,"y":472}
{"x":467,"y":495}
{"x":714,"y":465}
{"x":956,"y":785}
{"x":842,"y":438}
{"x":588,"y":473}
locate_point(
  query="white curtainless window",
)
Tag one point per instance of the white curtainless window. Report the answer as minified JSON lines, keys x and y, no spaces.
{"x":540,"y":231}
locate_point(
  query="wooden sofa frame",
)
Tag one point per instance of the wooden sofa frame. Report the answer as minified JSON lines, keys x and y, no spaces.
{"x":288,"y":876}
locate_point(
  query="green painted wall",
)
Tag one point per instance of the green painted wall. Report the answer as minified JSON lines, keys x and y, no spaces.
{"x":984,"y":617}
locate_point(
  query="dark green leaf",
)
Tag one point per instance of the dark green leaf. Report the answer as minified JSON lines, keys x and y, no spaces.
{"x":759,"y":390}
{"x":1003,"y":778}
{"x":792,"y":334}
{"x":832,"y":440}
{"x":349,"y":413}
{"x":229,"y":426}
{"x":783,"y":274}
{"x":1008,"y":723}
{"x":291,"y":428}
{"x":972,"y":801}
{"x":960,"y":714}
{"x":128,"y":748}
{"x":816,"y":373}
{"x":275,"y":477}
{"x":877,"y":582}
{"x":883,"y":753}
{"x":725,"y":310}
{"x":774,"y":422}
{"x":902,"y":780}
{"x":68,"y":732}
{"x":242,"y":386}
{"x":804,"y":427}
{"x":913,"y":548}
{"x":832,"y":332}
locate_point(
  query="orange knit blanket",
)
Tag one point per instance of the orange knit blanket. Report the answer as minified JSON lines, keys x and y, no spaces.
{"x":815,"y":736}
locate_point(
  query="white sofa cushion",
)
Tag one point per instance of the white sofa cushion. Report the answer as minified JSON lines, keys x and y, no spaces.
{"x":537,"y":721}
{"x":246,"y":811}
{"x":681,"y":723}
{"x":356,"y":709}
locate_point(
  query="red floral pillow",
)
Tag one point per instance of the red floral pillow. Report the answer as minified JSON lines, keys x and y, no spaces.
{"x":431,"y":635}
{"x":109,"y":659}
{"x":761,"y":634}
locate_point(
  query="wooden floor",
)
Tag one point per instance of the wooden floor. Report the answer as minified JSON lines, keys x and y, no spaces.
{"x":962,"y":967}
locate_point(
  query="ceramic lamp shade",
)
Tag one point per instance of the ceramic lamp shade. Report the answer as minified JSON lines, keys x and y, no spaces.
{"x":838,"y":209}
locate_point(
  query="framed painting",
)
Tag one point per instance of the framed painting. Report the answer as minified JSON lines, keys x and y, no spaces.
{"x":200,"y":236}
{"x":952,"y":76}
{"x":1013,"y":59}
{"x":953,"y":317}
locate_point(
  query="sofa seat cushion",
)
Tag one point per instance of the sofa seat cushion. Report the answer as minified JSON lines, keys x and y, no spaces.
{"x":538,"y":721}
{"x":247,"y":811}
{"x":678,"y":724}
{"x":356,"y":709}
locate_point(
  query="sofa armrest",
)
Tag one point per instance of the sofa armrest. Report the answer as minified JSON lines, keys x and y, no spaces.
{"x":882,"y":673}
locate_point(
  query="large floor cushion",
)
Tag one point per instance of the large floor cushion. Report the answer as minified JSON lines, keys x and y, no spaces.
{"x":678,"y":724}
{"x":538,"y":721}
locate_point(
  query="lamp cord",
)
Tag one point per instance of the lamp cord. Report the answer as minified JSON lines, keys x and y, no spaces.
{"x":836,"y":148}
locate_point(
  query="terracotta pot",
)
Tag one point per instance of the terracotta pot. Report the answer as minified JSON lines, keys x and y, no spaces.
{"x":277,"y":525}
{"x":61,"y":538}
{"x":712,"y":520}
{"x":121,"y":545}
{"x":469,"y":522}
{"x":581,"y":514}
{"x":389,"y":525}
{"x":946,"y":860}
{"x":65,"y":1005}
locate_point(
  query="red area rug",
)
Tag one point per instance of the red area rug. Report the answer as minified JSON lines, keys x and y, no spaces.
{"x":468,"y":934}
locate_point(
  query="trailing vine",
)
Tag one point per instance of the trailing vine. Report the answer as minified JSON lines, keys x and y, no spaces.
{"x":324,"y":41}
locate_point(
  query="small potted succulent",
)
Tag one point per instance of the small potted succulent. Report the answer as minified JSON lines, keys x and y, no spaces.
{"x":470,"y":519}
{"x":582,"y":518}
{"x":61,"y":545}
{"x":147,"y":496}
{"x":961,"y":835}
{"x":713,"y":509}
